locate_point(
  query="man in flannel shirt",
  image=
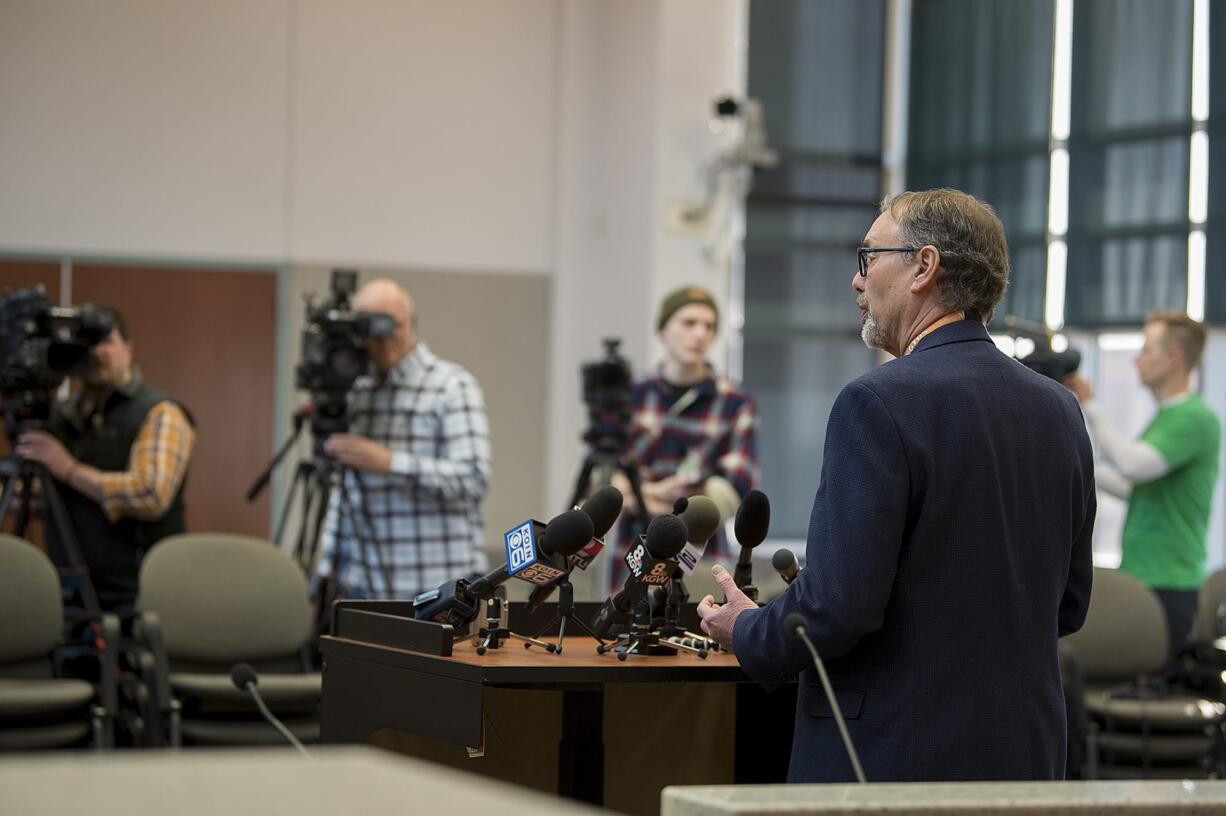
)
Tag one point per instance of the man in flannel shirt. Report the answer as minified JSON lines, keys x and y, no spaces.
{"x":691,"y":431}
{"x":418,"y":459}
{"x":119,"y":449}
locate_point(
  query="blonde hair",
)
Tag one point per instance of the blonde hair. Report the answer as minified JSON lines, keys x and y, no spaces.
{"x":1181,"y":330}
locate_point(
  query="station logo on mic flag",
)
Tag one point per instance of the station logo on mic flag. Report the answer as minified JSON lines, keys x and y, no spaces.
{"x":645,"y":568}
{"x":523,"y":556}
{"x":521,"y":547}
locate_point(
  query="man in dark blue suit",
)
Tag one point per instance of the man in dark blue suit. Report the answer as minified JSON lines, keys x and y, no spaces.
{"x":949,"y":544}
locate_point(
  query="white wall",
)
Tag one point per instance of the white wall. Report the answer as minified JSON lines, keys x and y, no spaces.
{"x":405,"y":132}
{"x":637,"y":79}
{"x":423,"y":133}
{"x":142,"y":127}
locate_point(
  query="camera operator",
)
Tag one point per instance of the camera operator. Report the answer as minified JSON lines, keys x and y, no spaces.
{"x":121,"y":448}
{"x":1168,"y":475}
{"x":419,"y":459}
{"x":692,"y":432}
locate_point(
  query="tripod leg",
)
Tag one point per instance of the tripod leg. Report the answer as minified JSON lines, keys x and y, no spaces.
{"x":6,"y":498}
{"x":56,"y":514}
{"x":306,"y":533}
{"x":370,"y":527}
{"x":295,"y":483}
{"x":322,"y":494}
{"x":636,"y":488}
{"x":23,"y":509}
{"x":347,"y":507}
{"x":582,"y":481}
{"x":561,"y":634}
{"x":544,"y":629}
{"x":591,"y":632}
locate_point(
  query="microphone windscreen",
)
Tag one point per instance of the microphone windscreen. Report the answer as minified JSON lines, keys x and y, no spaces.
{"x":665,"y":537}
{"x":783,"y":560}
{"x":603,"y":507}
{"x":753,"y":519}
{"x":679,"y":505}
{"x":242,"y":675}
{"x":567,"y":533}
{"x":701,"y":519}
{"x":794,"y":623}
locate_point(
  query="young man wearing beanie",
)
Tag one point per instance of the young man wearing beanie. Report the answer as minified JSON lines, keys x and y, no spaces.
{"x":691,"y":432}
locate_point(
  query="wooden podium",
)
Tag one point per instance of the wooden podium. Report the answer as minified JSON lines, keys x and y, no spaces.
{"x":368,"y":686}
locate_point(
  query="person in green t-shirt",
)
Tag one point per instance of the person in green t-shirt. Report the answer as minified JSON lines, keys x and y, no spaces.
{"x":1168,"y":475}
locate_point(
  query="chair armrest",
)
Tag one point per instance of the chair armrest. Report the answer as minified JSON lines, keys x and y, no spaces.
{"x":152,"y":661}
{"x":108,"y":657}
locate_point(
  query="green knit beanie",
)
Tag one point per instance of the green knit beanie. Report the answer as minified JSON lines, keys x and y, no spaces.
{"x":684,"y":297}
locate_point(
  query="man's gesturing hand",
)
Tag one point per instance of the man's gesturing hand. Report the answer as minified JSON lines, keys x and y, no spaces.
{"x":718,"y":620}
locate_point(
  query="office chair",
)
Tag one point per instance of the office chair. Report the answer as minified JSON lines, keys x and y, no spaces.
{"x":40,"y":708}
{"x":1200,"y":665}
{"x":1142,"y":726}
{"x":208,"y":601}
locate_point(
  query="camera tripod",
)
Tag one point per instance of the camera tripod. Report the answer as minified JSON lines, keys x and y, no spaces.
{"x":315,"y":479}
{"x":14,"y":470}
{"x":602,"y":461}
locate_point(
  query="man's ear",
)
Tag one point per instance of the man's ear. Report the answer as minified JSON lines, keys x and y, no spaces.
{"x":928,"y":270}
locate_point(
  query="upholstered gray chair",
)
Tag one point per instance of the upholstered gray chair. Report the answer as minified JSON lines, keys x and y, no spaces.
{"x":38,"y":707}
{"x":1144,"y":729}
{"x":207,"y":602}
{"x":1210,"y":598}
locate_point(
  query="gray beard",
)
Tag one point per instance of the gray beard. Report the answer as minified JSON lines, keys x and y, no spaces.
{"x":870,"y":333}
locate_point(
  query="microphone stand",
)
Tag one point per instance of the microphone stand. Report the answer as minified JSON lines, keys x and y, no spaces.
{"x":673,"y":633}
{"x":494,"y":632}
{"x":642,"y":639}
{"x":566,"y":612}
{"x":743,"y":578}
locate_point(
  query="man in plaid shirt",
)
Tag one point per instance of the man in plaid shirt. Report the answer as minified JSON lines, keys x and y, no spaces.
{"x":691,"y":432}
{"x":418,"y":466}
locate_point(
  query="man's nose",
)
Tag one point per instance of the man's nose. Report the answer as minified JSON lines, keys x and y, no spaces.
{"x":857,"y":281}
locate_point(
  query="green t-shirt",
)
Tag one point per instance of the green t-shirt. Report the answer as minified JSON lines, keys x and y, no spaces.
{"x":1168,"y":518}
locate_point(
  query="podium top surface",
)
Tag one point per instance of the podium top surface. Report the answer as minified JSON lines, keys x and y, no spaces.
{"x":257,"y":782}
{"x":512,"y":664}
{"x":961,"y":798}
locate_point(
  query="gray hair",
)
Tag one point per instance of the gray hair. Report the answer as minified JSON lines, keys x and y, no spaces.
{"x":970,"y":238}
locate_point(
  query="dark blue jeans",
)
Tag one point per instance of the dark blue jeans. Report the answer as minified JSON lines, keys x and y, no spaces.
{"x":1180,"y":608}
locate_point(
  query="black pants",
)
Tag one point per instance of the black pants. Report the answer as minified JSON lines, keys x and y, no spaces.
{"x":1180,"y":608}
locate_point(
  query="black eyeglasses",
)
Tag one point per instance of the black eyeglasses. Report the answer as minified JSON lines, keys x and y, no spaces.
{"x":862,"y":254}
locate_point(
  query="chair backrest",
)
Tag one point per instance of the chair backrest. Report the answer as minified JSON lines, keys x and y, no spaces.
{"x":1125,"y":629}
{"x":31,"y":605}
{"x":1212,"y":594}
{"x":225,"y":598}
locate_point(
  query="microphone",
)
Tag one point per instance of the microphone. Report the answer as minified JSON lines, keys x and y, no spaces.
{"x":651,"y":561}
{"x":795,"y":623}
{"x":244,"y":678}
{"x":458,"y":602}
{"x":602,"y":507}
{"x":753,"y":520}
{"x":701,"y":519}
{"x":784,"y":562}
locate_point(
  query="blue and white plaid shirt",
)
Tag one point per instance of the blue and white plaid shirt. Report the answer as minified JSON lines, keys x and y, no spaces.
{"x":422,"y":522}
